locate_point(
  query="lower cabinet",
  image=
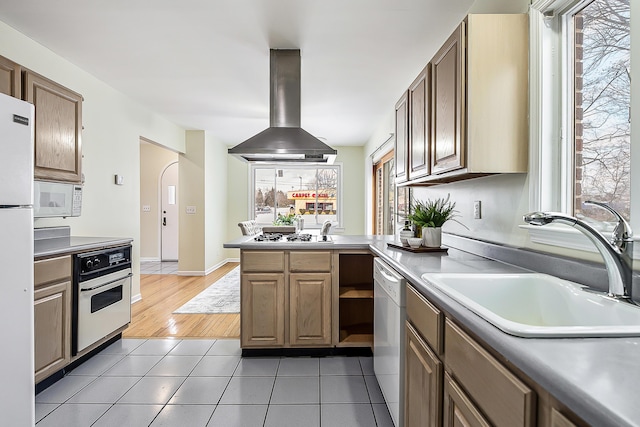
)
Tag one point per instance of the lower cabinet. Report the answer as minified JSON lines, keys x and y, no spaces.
{"x":423,"y":382}
{"x":310,"y":308}
{"x":458,"y":408}
{"x":510,"y":402}
{"x":52,"y":315}
{"x":286,"y":299}
{"x":263,"y":310}
{"x":452,"y":379}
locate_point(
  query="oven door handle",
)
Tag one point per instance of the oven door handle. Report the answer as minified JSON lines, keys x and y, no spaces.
{"x":119,"y":279}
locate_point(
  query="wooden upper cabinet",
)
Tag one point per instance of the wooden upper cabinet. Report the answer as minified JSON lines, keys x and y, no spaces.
{"x":10,"y":78}
{"x":402,"y":138}
{"x":497,"y":94}
{"x":448,"y":104}
{"x":58,"y":129}
{"x":419,"y":124}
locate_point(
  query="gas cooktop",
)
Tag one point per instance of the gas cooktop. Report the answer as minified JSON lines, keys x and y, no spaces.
{"x":276,"y":237}
{"x":268,"y":237}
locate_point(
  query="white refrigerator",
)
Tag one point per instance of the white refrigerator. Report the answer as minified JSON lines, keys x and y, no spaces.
{"x":16,"y":262}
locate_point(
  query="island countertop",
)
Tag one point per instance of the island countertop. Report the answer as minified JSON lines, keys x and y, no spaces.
{"x":597,"y":378}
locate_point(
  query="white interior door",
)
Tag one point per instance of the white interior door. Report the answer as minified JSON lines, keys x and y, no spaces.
{"x":169,"y":214}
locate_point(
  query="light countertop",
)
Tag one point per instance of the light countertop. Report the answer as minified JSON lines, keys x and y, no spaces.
{"x":71,"y":245}
{"x":597,"y":378}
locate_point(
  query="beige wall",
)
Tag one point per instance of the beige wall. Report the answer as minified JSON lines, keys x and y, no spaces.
{"x":204,"y":168}
{"x":153,"y":161}
{"x":353,"y":189}
{"x":113,"y":125}
{"x":192,"y":227}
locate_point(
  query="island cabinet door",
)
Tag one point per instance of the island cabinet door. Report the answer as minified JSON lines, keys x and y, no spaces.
{"x":310,"y":309}
{"x":263,"y":308}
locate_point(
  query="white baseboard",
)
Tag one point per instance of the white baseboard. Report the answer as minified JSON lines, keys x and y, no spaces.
{"x":149,"y":259}
{"x":209,"y":270}
{"x":135,"y":298}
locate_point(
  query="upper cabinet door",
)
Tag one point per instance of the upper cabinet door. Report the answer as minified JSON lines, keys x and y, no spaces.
{"x":402,"y":137}
{"x":10,"y":78}
{"x":448,"y":150}
{"x":58,"y":153}
{"x":419,"y":124}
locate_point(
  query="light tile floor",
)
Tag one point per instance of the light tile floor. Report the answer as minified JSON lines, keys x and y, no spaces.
{"x":157,"y":267}
{"x":197,"y":383}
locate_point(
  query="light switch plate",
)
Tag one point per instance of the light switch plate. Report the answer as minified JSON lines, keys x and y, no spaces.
{"x":191,"y":210}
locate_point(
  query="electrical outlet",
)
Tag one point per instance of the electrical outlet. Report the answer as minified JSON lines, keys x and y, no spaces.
{"x":191,"y":210}
{"x":146,"y":208}
{"x":477,"y":209}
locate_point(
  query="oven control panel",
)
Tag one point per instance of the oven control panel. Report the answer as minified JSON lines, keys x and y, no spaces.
{"x":104,"y":259}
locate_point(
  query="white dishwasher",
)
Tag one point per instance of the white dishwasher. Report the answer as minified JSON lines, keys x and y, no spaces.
{"x":389,"y":316}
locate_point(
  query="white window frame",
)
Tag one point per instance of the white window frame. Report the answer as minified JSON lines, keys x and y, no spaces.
{"x":551,"y":135}
{"x":285,"y":165}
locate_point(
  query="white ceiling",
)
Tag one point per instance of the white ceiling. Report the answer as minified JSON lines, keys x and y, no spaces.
{"x":204,"y":64}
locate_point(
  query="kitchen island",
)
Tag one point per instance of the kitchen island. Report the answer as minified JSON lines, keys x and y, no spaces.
{"x":595,"y":379}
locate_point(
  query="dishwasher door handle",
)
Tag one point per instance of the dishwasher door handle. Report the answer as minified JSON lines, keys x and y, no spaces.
{"x":388,"y":277}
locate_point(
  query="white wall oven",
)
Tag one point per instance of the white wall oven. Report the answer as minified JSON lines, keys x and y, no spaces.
{"x":101,"y":295}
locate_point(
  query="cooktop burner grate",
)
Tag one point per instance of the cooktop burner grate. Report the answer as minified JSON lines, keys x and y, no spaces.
{"x":268,"y":237}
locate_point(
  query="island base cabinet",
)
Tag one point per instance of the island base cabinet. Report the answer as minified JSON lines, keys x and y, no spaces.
{"x":310,"y":309}
{"x":423,"y":383}
{"x":458,"y":408}
{"x":262,"y":314}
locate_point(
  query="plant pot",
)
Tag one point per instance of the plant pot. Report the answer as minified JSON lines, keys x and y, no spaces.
{"x":432,"y":237}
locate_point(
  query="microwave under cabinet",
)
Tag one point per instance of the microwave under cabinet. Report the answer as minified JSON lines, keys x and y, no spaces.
{"x":56,"y":199}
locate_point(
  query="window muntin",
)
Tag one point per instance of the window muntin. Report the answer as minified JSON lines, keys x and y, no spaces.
{"x":309,"y":192}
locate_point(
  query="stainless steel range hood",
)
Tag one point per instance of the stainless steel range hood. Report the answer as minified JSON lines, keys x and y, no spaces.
{"x":284,"y":140}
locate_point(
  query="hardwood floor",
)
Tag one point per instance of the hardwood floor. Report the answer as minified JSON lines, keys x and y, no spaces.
{"x":153,"y":317}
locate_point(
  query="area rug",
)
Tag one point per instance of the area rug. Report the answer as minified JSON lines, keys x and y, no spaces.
{"x":222,"y":296}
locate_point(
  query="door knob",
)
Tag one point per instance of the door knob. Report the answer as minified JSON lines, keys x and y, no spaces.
{"x":164,"y":221}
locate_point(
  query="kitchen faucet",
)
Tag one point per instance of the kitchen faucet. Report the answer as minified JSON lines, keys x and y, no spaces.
{"x":617,"y":252}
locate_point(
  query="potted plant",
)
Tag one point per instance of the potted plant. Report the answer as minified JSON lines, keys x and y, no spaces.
{"x":429,"y":216}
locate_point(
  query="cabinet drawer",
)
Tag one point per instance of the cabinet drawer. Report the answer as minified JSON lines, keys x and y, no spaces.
{"x":51,"y":270}
{"x":262,"y":261}
{"x":426,"y":318}
{"x":309,"y":261}
{"x":502,"y":397}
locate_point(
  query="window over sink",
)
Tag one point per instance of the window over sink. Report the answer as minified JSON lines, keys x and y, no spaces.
{"x":581,"y":140}
{"x":308,"y":192}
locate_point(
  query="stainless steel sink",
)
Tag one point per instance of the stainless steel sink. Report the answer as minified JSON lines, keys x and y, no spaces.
{"x":539,"y":305}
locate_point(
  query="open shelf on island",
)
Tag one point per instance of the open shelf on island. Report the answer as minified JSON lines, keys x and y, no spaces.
{"x":356,"y":300}
{"x":355,"y":292}
{"x":356,"y":336}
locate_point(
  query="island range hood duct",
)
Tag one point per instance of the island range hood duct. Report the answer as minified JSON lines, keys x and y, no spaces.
{"x":284,"y":140}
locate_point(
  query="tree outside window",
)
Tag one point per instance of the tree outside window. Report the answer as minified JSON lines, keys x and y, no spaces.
{"x":602,"y":124}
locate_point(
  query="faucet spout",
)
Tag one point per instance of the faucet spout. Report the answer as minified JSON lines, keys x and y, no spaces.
{"x":617,"y":252}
